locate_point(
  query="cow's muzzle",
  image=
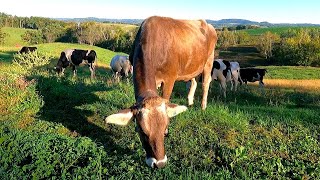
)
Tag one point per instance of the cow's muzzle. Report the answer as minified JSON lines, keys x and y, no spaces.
{"x":153,"y":163}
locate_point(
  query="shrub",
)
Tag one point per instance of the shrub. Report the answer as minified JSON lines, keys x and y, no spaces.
{"x":31,"y":60}
{"x":41,"y":156}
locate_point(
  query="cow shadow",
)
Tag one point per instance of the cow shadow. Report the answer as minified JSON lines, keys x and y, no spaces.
{"x":68,"y":103}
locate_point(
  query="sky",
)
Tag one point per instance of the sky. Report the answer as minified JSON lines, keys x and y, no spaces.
{"x":273,"y":11}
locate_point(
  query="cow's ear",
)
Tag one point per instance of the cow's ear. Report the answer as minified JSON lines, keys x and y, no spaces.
{"x":174,"y":109}
{"x":121,"y":118}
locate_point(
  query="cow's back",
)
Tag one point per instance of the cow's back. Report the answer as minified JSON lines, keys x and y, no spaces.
{"x":119,"y":62}
{"x":178,"y":49}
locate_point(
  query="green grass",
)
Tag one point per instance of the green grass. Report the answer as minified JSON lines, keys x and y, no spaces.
{"x":276,"y":30}
{"x":53,"y":127}
{"x":14,"y":36}
{"x":292,"y":72}
{"x":55,"y":49}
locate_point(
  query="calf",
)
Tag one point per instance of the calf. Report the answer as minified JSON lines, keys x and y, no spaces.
{"x":74,"y":57}
{"x":26,"y":49}
{"x":253,"y":75}
{"x":165,"y":50}
{"x":225,"y":71}
{"x":121,"y":66}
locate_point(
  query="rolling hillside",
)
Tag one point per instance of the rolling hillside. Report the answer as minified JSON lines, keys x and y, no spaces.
{"x":14,"y":36}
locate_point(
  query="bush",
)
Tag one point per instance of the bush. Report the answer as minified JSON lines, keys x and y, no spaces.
{"x":31,"y":60}
{"x":41,"y":156}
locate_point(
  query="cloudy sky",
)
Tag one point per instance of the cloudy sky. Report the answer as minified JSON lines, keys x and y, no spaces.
{"x":274,"y":11}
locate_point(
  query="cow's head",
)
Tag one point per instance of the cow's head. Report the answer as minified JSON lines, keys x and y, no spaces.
{"x":152,"y":120}
{"x":62,"y":63}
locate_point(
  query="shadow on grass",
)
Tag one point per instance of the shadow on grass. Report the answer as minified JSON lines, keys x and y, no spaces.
{"x":7,"y":57}
{"x":63,"y":103}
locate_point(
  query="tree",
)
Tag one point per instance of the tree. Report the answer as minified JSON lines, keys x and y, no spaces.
{"x":226,"y":39}
{"x":266,"y":42}
{"x":52,"y":31}
{"x":299,"y":47}
{"x":33,"y":37}
{"x":88,"y":32}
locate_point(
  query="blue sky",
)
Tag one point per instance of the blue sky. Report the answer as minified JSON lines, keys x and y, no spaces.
{"x":274,"y":11}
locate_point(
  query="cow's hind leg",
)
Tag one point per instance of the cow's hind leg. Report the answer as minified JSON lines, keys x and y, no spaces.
{"x":74,"y":70}
{"x":206,"y":81}
{"x":223,"y":88}
{"x":192,"y":90}
{"x":92,"y":69}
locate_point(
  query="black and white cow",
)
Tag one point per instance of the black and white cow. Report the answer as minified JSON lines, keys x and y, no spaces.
{"x":225,"y":71}
{"x":121,"y":66}
{"x":253,"y":75}
{"x":26,"y":49}
{"x":75,"y":57}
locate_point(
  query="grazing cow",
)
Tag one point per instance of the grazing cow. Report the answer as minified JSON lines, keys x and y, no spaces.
{"x":26,"y":49}
{"x":252,"y":75}
{"x":121,"y":66}
{"x":225,"y":71}
{"x":165,"y":50}
{"x":74,"y":57}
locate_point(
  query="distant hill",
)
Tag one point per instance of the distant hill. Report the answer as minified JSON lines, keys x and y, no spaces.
{"x":216,"y":23}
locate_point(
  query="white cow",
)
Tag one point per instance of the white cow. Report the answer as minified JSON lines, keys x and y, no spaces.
{"x":121,"y":66}
{"x":225,"y":71}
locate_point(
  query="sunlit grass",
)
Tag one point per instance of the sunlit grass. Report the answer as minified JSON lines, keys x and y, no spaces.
{"x":299,"y":85}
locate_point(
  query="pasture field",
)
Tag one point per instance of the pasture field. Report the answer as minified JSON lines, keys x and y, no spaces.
{"x":53,"y":127}
{"x":14,"y":36}
{"x":276,"y":30}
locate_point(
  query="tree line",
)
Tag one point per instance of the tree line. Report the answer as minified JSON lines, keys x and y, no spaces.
{"x":292,"y":47}
{"x":46,"y":30}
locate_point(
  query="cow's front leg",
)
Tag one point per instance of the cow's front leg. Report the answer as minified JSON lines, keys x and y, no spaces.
{"x":192,"y":90}
{"x":167,"y":89}
{"x":92,"y":70}
{"x":74,"y":70}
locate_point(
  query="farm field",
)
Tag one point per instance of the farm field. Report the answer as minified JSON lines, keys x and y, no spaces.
{"x":53,"y":127}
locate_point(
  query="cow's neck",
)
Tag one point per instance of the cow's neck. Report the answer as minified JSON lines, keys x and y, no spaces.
{"x":144,"y":80}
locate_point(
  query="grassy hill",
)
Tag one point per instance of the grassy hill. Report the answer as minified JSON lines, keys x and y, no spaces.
{"x":14,"y":36}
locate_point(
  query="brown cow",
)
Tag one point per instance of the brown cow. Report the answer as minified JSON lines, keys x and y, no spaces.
{"x":165,"y":50}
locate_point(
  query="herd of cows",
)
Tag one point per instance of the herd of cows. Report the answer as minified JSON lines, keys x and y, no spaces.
{"x":165,"y":50}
